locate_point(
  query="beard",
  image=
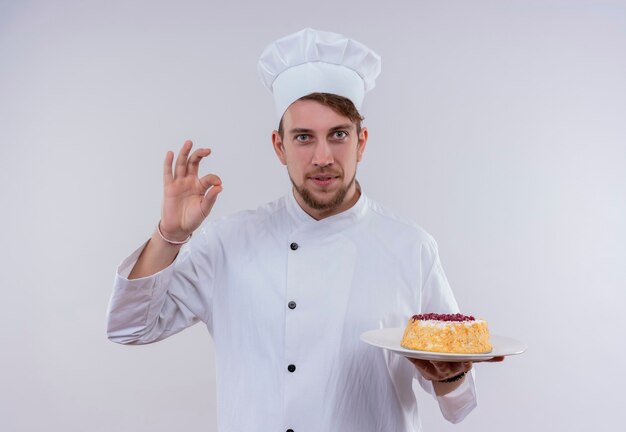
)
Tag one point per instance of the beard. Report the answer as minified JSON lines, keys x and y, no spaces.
{"x":332,"y":202}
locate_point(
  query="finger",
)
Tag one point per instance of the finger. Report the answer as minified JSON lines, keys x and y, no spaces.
{"x":444,"y":368}
{"x":209,"y":180}
{"x":180,"y":170}
{"x":167,"y":168}
{"x":209,"y":200}
{"x":491,"y":360}
{"x":450,"y":369}
{"x":424,"y":367}
{"x":420,"y":364}
{"x":467,"y":366}
{"x":214,"y":185}
{"x":194,"y":160}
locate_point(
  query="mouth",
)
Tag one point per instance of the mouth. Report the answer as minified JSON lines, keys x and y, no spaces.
{"x":323,"y":179}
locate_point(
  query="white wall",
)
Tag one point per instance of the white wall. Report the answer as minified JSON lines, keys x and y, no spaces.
{"x":499,"y":126}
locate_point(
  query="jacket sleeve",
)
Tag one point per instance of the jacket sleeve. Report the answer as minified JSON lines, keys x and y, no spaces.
{"x":437,"y":297}
{"x":152,"y":308}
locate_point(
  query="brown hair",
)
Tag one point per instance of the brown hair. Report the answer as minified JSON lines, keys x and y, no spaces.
{"x":339,"y":104}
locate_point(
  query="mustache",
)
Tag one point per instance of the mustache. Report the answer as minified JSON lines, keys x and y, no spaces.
{"x":324,"y":172}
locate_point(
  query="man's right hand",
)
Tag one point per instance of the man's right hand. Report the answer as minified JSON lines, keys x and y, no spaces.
{"x":187,"y":199}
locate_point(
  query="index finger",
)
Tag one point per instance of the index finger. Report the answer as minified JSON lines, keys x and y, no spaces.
{"x":194,"y":160}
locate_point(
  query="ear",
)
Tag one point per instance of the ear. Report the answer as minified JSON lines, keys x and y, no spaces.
{"x":361,"y":144}
{"x":277,"y":143}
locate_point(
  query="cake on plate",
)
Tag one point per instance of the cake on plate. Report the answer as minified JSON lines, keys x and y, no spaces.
{"x":447,"y":333}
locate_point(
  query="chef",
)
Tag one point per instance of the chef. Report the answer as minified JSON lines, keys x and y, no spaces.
{"x":286,"y":290}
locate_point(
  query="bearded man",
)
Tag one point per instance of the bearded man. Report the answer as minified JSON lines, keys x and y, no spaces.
{"x":286,"y":290}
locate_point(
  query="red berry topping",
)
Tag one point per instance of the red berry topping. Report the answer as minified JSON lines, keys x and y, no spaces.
{"x":443,"y":317}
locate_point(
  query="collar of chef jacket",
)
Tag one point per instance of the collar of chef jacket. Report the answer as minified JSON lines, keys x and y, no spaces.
{"x":336,"y":222}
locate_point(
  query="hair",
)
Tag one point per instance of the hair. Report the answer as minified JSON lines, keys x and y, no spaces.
{"x":341,"y":105}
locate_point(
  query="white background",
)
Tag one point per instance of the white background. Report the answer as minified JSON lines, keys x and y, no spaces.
{"x":499,"y":126}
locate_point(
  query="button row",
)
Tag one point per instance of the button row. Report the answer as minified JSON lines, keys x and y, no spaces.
{"x":292,"y":305}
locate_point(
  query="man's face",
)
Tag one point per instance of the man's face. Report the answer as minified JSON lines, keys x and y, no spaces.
{"x":321,"y":150}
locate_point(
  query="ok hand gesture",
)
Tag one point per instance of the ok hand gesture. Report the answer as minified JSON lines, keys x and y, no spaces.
{"x":187,"y":199}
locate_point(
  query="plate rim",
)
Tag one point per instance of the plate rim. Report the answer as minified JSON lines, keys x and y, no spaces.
{"x":520,"y":347}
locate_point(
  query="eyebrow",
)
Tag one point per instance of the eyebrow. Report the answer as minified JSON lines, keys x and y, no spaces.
{"x":300,"y":131}
{"x":341,"y":127}
{"x":297,"y":131}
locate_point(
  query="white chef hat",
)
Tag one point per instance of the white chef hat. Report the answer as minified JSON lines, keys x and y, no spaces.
{"x":312,"y":61}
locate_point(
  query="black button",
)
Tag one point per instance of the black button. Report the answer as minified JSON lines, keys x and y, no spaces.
{"x":291,"y":368}
{"x":293,"y":246}
{"x":289,"y":430}
{"x":292,"y":305}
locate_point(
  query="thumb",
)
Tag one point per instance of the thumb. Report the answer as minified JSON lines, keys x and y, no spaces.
{"x":214,"y":185}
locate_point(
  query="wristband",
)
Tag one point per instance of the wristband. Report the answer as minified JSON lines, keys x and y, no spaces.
{"x":172,"y":242}
{"x":453,"y":379}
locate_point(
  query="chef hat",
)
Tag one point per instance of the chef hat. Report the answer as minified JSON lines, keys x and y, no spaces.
{"x":312,"y":61}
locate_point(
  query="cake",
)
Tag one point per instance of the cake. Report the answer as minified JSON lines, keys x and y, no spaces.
{"x":447,"y":333}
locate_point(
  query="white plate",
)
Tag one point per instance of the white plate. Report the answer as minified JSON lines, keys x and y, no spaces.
{"x":389,"y":339}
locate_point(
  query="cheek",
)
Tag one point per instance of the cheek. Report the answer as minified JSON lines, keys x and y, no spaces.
{"x":300,"y":156}
{"x":296,"y":162}
{"x":352,"y":158}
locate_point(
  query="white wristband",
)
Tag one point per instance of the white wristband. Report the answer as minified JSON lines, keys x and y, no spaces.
{"x":171,"y":241}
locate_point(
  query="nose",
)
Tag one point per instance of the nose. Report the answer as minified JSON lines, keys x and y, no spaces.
{"x":322,"y":155}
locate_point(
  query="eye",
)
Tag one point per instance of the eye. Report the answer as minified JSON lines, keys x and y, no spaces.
{"x":303,"y":138}
{"x":340,"y":135}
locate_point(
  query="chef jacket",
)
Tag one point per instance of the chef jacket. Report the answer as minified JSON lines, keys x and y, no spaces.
{"x":285,"y":298}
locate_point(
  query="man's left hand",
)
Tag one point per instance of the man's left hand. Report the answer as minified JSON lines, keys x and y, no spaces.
{"x":436,"y":371}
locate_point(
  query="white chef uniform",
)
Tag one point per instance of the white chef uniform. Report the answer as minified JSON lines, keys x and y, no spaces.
{"x":285,"y":298}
